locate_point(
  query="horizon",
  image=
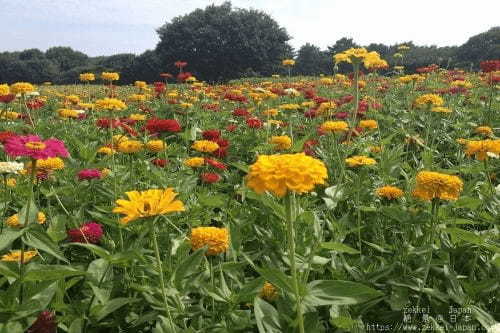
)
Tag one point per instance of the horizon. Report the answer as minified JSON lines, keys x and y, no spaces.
{"x":98,"y":29}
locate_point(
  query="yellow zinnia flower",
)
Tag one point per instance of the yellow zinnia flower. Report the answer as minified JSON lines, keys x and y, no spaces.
{"x":15,"y":256}
{"x":21,"y":88}
{"x":205,"y":146}
{"x":357,"y":161}
{"x":484,"y":130}
{"x":268,"y":292}
{"x":130,"y":146}
{"x":194,"y":162}
{"x":281,"y":142}
{"x":435,"y":185}
{"x":429,"y":99}
{"x":155,"y":146}
{"x":110,"y":104}
{"x":147,"y":203}
{"x":280,"y":174}
{"x":4,"y":89}
{"x":481,"y":148}
{"x":334,"y":126}
{"x":368,"y":124}
{"x":110,"y":76}
{"x":216,"y":239}
{"x":389,"y":192}
{"x":87,"y":77}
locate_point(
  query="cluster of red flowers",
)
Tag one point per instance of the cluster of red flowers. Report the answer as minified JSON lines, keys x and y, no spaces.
{"x":490,"y":66}
{"x":160,"y":88}
{"x":212,"y":107}
{"x":427,"y":69}
{"x":124,"y":123}
{"x":162,"y":125}
{"x":35,"y":104}
{"x":7,"y":98}
{"x":235,"y":98}
{"x":183,"y":76}
{"x":254,"y":123}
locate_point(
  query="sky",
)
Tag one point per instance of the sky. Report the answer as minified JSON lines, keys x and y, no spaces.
{"x":105,"y":27}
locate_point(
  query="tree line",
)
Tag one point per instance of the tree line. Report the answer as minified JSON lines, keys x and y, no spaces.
{"x":220,"y":43}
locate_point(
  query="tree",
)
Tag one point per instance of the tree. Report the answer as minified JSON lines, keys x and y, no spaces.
{"x":312,"y":61}
{"x":221,"y":43}
{"x":484,"y":46}
{"x":121,"y":63}
{"x":66,"y":58}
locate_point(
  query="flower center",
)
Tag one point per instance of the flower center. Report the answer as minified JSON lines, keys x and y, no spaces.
{"x":147,"y":207}
{"x":35,"y":145}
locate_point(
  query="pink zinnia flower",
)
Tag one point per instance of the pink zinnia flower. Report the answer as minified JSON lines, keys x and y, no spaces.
{"x":90,"y":232}
{"x":88,"y":174}
{"x":34,"y":147}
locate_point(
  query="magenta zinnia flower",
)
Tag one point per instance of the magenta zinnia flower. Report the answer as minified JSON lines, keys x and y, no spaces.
{"x":88,"y":174}
{"x":90,"y":232}
{"x":34,"y":147}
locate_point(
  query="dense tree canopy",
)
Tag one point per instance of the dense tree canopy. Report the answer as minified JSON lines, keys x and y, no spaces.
{"x":220,"y":42}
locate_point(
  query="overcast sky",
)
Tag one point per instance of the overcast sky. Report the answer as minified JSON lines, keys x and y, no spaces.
{"x":105,"y":27}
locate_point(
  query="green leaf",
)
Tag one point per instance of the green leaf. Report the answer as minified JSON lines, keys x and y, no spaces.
{"x":8,"y":236}
{"x":111,"y":307}
{"x":329,"y":292}
{"x":37,"y":272}
{"x":277,"y":278}
{"x":57,"y":228}
{"x":32,"y":215}
{"x":76,"y":326}
{"x":468,"y":202}
{"x":213,"y":200}
{"x":97,"y":250}
{"x":6,"y":270}
{"x":339,"y":247}
{"x":266,"y":316}
{"x":464,"y":235}
{"x":187,"y":267}
{"x":41,"y":241}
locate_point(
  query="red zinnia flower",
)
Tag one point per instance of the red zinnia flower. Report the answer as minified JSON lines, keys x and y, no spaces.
{"x":231,"y":127}
{"x":163,"y":125}
{"x":160,"y":162}
{"x":88,"y":174}
{"x":210,"y":177}
{"x":180,"y":64}
{"x":254,"y":123}
{"x":490,"y":66}
{"x":34,"y":147}
{"x":106,"y":123}
{"x":241,"y":112}
{"x":44,"y":323}
{"x":7,"y":98}
{"x":215,"y":164}
{"x":211,"y":134}
{"x":90,"y":232}
{"x":183,"y":76}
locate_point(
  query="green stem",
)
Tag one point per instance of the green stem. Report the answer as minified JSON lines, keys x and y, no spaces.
{"x":160,"y":272}
{"x":87,"y":311}
{"x":26,"y":224}
{"x":290,"y":219}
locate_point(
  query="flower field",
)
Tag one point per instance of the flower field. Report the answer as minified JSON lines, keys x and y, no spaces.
{"x":342,"y":203}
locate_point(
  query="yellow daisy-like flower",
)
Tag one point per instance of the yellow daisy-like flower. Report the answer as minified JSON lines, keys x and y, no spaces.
{"x":13,"y":221}
{"x":270,"y":112}
{"x":441,"y":109}
{"x":87,"y":77}
{"x":389,"y":192}
{"x":110,"y":104}
{"x":357,"y":161}
{"x":282,"y":142}
{"x":280,"y":174}
{"x":147,"y":203}
{"x":334,"y":127}
{"x":137,"y":98}
{"x":481,"y":148}
{"x":137,"y":116}
{"x":105,"y":151}
{"x":155,"y":146}
{"x":269,"y":292}
{"x":194,"y":162}
{"x":67,"y":113}
{"x":110,"y":76}
{"x":429,"y":100}
{"x":205,"y":146}
{"x":435,"y":185}
{"x":368,"y":124}
{"x":484,"y":130}
{"x":49,"y":164}
{"x":11,"y":115}
{"x":216,"y":239}
{"x":15,"y":256}
{"x":4,"y":89}
{"x":21,"y":88}
{"x":130,"y":146}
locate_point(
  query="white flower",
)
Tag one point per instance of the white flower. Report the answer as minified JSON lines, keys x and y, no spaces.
{"x":10,"y":167}
{"x":494,"y":328}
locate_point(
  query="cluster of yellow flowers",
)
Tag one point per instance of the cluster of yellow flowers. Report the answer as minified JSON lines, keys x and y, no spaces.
{"x":371,"y":60}
{"x":282,"y":142}
{"x":147,"y":203}
{"x":13,"y":221}
{"x":4,"y":89}
{"x":411,"y":78}
{"x":87,"y":77}
{"x":21,"y":88}
{"x":359,"y":160}
{"x":434,"y":185}
{"x":429,"y":100}
{"x":482,"y":149}
{"x":389,"y":192}
{"x":334,"y":127}
{"x":215,"y":239}
{"x":110,"y":76}
{"x":289,"y":107}
{"x":11,"y":115}
{"x":205,"y":146}
{"x":110,"y":104}
{"x":280,"y":174}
